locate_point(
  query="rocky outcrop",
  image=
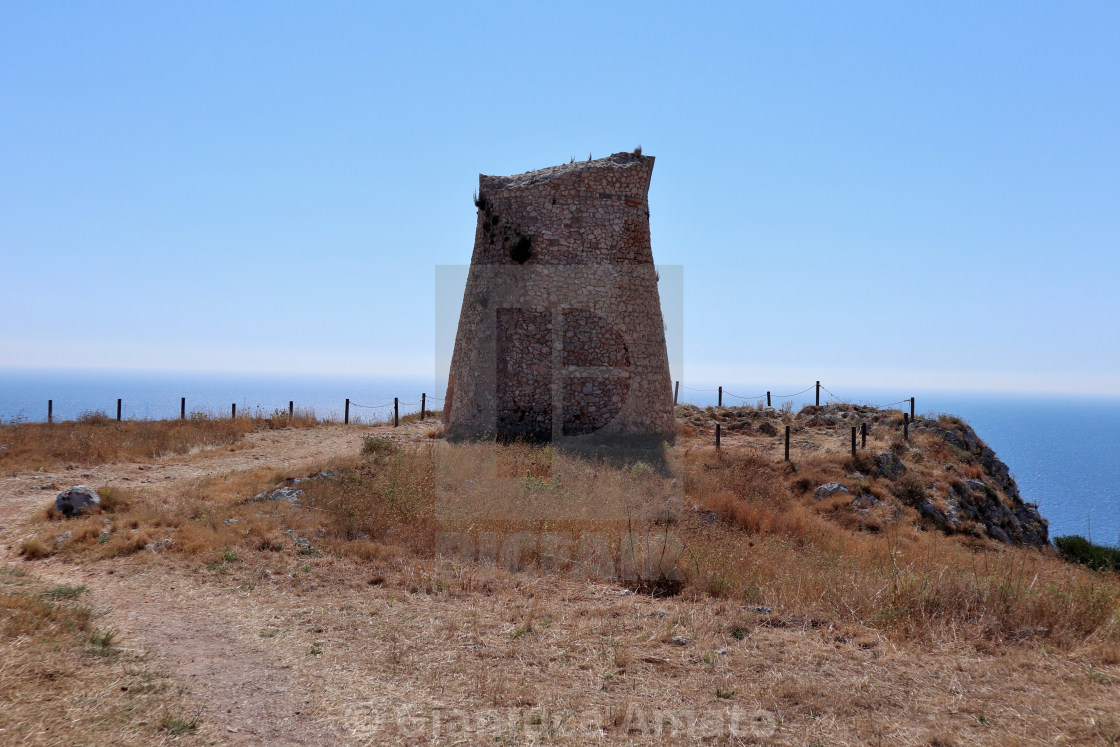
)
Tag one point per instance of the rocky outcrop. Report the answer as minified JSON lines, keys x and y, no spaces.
{"x":947,"y":497}
{"x":994,"y":501}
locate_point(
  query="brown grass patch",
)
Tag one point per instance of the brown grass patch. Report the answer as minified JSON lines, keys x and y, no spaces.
{"x":63,"y":679}
{"x":96,"y":441}
{"x":96,"y":438}
{"x":528,"y":507}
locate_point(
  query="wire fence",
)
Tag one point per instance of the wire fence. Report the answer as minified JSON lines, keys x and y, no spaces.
{"x":858,"y":433}
{"x":396,"y":406}
{"x":769,"y":397}
{"x":425,"y":410}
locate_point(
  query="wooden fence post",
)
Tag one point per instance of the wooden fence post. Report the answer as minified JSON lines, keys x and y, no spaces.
{"x":863,"y":435}
{"x":423,"y":403}
{"x":717,"y":436}
{"x":721,"y":397}
{"x":118,"y":410}
{"x":911,"y":408}
{"x":853,"y":440}
{"x":396,"y":412}
{"x":818,"y":394}
{"x":346,"y":416}
{"x":233,"y":411}
{"x":50,"y":410}
{"x":768,"y":399}
{"x":906,"y":426}
{"x":291,"y":408}
{"x":787,"y":443}
{"x":182,"y":408}
{"x":676,"y":391}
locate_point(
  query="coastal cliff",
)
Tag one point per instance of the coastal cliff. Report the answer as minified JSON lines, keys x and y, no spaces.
{"x":942,"y":476}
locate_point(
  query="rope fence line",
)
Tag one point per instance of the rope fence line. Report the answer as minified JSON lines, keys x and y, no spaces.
{"x":859,"y":430}
{"x":786,"y":397}
{"x":770,"y":396}
{"x":908,"y":418}
{"x":901,"y":401}
{"x":395,"y":404}
{"x":739,"y":396}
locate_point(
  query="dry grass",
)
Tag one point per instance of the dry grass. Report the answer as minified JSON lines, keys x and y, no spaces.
{"x":97,"y":439}
{"x":63,"y":679}
{"x":485,"y":582}
{"x":526,"y":507}
{"x":824,"y":559}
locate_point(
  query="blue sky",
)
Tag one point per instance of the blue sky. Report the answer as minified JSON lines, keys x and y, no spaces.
{"x":873,"y":194}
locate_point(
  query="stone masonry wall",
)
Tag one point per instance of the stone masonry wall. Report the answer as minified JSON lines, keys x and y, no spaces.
{"x":560,"y":333}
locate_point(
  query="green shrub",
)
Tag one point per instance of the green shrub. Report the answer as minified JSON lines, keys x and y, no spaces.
{"x":910,"y":489}
{"x":1077,"y":549}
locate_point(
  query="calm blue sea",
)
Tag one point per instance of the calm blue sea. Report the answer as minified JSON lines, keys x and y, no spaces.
{"x":1064,"y":452}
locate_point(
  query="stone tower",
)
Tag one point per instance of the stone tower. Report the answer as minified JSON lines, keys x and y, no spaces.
{"x":560,"y":334}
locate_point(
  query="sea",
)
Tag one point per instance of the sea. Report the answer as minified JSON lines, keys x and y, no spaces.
{"x":1063,"y":451}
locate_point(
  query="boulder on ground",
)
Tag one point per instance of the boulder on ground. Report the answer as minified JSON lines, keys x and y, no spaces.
{"x":889,"y":465}
{"x":291,"y":495}
{"x":829,"y":489}
{"x":76,"y":501}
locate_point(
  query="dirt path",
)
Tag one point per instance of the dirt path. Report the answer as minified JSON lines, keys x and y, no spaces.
{"x":25,"y":493}
{"x":246,"y":696}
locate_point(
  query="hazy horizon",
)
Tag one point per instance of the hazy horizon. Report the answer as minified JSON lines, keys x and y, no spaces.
{"x":850,"y":382}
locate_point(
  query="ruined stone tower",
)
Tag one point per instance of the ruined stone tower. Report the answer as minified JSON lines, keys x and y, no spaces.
{"x":560,"y":334}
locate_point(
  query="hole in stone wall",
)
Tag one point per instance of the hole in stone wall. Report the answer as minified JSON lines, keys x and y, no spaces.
{"x":521,"y":250}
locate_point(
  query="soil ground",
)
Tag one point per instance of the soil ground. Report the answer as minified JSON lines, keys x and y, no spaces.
{"x":333,"y":650}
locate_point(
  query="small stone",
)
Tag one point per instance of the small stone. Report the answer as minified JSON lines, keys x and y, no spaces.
{"x":77,"y":500}
{"x":680,"y":640}
{"x":889,"y":465}
{"x":864,"y":499}
{"x":767,"y":429}
{"x":227,"y":522}
{"x":290,"y":495}
{"x":708,"y":516}
{"x":162,"y":544}
{"x":758,"y":610}
{"x":658,"y":613}
{"x":64,"y":537}
{"x":976,"y":486}
{"x":828,"y":490}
